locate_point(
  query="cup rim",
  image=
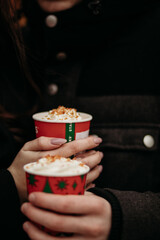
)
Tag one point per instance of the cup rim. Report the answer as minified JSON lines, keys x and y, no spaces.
{"x":30,"y":171}
{"x":37,"y":116}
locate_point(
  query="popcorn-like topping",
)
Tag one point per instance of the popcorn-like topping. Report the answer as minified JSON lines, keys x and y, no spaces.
{"x":57,"y":166}
{"x":63,"y":113}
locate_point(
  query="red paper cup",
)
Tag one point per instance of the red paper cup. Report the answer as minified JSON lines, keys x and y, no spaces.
{"x":62,"y":129}
{"x":66,"y":184}
{"x":55,"y":184}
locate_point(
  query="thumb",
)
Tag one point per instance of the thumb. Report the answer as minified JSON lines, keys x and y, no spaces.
{"x":44,"y":143}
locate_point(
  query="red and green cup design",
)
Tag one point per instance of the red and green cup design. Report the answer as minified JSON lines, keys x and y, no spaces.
{"x":62,"y":185}
{"x":62,"y":129}
{"x":56,"y":185}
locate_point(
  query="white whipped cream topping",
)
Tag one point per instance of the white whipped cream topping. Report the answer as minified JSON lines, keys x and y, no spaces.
{"x":62,"y":114}
{"x":58,"y":167}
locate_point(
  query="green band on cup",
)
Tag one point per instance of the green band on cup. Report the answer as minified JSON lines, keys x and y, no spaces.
{"x":70,"y":131}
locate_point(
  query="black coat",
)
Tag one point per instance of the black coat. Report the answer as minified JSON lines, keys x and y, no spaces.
{"x":105,"y":61}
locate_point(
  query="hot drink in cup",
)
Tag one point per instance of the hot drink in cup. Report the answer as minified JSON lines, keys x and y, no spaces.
{"x":62,"y":122}
{"x":56,"y":175}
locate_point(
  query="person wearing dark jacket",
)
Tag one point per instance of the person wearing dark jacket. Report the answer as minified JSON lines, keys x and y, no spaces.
{"x":103,"y":58}
{"x":19,"y":99}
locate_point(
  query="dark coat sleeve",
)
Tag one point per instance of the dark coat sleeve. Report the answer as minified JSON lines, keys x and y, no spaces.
{"x":10,"y":214}
{"x":9,"y":200}
{"x":11,"y":217}
{"x":136,"y":215}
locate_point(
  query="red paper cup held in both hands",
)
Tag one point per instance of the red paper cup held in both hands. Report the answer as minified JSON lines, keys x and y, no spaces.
{"x":66,"y":123}
{"x":56,"y":175}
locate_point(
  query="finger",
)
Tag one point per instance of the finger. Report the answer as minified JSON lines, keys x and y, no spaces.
{"x":91,"y":185}
{"x":70,"y":204}
{"x":76,"y":146}
{"x":44,"y":143}
{"x":93,"y":159}
{"x":38,"y":234}
{"x":35,"y":233}
{"x":84,"y":154}
{"x":93,"y":175}
{"x":51,"y":220}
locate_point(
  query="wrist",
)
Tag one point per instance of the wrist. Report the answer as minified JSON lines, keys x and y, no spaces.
{"x":20,"y":185}
{"x":115,"y":232}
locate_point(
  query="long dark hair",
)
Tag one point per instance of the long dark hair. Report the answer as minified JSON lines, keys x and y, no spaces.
{"x":8,"y":10}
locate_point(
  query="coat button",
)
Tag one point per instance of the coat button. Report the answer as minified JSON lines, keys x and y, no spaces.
{"x":61,"y":56}
{"x":148,"y":141}
{"x":52,"y":89}
{"x":51,"y":21}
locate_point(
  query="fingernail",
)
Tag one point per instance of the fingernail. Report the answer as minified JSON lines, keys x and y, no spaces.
{"x":32,"y":197}
{"x":58,"y":141}
{"x":93,"y":185}
{"x":100,"y":168}
{"x":97,"y":140}
{"x":24,"y":207}
{"x":102,"y":155}
{"x":25,"y":226}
